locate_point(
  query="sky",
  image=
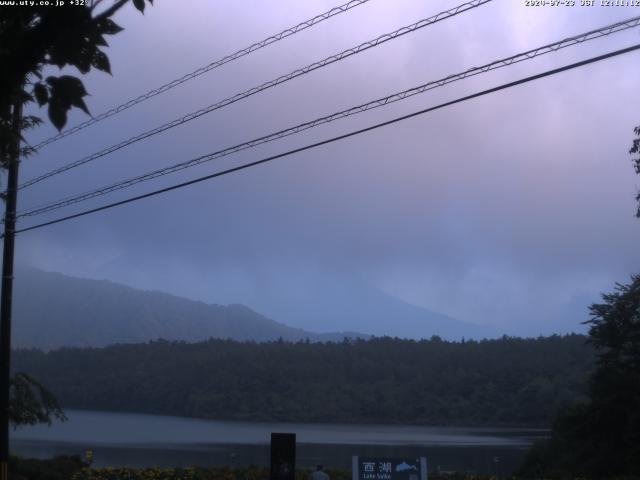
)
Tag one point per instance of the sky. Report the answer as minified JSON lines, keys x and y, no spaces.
{"x":514,"y":210}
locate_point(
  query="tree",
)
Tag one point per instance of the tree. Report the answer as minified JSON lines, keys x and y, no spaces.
{"x":601,"y":437}
{"x":635,"y":150}
{"x":31,"y":39}
{"x":31,"y":402}
{"x":614,"y":410}
{"x":38,"y":36}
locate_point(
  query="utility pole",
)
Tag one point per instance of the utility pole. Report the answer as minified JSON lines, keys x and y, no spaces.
{"x":13,"y":160}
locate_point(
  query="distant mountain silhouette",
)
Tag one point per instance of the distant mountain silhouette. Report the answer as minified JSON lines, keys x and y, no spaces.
{"x":344,"y":302}
{"x":51,"y":310}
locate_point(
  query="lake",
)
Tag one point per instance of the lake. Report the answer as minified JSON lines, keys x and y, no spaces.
{"x":123,"y":439}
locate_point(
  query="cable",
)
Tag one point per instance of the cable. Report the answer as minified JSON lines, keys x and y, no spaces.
{"x":207,"y":68}
{"x":240,"y":96}
{"x":528,"y":55}
{"x":337,"y":138}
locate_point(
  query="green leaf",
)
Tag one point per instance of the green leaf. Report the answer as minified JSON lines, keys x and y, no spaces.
{"x":66,"y":91}
{"x":30,"y":121}
{"x":68,"y":86}
{"x":101,"y":62}
{"x":79,"y":103}
{"x":139,"y":4}
{"x":99,"y":40}
{"x":109,"y":27}
{"x":24,"y":97}
{"x":83,"y":59}
{"x":30,"y":402}
{"x":41,"y":93}
{"x":57,"y":114}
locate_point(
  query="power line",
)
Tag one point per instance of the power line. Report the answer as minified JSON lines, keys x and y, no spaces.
{"x":528,"y":55}
{"x":207,"y":68}
{"x":337,"y":138}
{"x":272,"y":83}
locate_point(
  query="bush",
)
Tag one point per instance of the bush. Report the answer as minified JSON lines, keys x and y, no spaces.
{"x":58,"y":468}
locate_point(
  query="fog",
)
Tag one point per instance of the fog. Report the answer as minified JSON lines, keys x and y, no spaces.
{"x":514,"y":210}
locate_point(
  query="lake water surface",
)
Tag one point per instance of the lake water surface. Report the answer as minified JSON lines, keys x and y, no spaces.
{"x":121,"y":439}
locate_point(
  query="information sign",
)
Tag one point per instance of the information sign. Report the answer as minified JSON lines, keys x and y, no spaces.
{"x":380,"y":468}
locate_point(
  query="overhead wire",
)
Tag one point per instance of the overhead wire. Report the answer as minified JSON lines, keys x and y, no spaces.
{"x":336,"y":138}
{"x":272,"y":83}
{"x":207,"y":68}
{"x":528,"y":55}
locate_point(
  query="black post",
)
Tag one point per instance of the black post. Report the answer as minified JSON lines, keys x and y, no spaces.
{"x":283,"y":456}
{"x":7,"y":287}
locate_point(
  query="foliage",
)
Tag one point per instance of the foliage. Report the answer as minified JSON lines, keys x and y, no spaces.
{"x":635,"y":150}
{"x":33,"y":38}
{"x":189,"y":473}
{"x":221,"y":473}
{"x":39,"y":36}
{"x":508,"y":381}
{"x":72,"y":468}
{"x":59,"y":468}
{"x":601,"y":437}
{"x":30,"y":402}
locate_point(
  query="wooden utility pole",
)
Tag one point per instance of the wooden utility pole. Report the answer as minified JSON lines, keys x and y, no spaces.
{"x":13,"y":161}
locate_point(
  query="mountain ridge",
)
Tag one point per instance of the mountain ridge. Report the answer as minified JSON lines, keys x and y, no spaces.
{"x":52,"y":310}
{"x":350,"y":301}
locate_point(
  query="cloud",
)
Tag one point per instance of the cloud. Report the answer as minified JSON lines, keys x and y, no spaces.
{"x":514,"y":209}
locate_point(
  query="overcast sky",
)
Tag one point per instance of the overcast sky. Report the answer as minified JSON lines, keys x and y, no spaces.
{"x":514,"y":210}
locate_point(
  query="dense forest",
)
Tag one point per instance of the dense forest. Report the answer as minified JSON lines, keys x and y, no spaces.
{"x":508,"y":381}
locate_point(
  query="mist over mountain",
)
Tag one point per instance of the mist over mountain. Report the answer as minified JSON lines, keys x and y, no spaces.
{"x":310,"y":297}
{"x":338,"y":302}
{"x":53,"y":310}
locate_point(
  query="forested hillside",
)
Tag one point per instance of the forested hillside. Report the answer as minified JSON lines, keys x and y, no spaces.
{"x":508,"y":381}
{"x":54,"y":310}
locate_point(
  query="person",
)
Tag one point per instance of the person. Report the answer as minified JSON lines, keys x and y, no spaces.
{"x":319,"y":474}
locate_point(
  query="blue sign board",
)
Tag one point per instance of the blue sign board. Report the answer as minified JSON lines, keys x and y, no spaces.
{"x":380,"y":468}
